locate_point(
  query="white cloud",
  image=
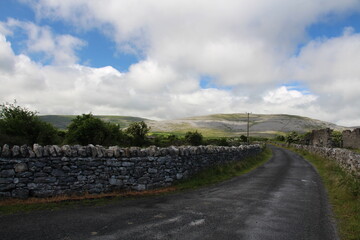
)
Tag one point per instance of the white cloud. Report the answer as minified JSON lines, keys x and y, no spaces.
{"x":331,"y":66}
{"x":6,"y":56}
{"x":290,"y":98}
{"x":60,"y":49}
{"x":246,"y":45}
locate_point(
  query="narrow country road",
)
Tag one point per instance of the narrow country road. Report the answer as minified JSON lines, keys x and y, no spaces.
{"x":283,"y":199}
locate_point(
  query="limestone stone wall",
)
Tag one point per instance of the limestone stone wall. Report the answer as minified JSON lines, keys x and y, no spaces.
{"x":347,"y":159}
{"x":52,"y":170}
{"x":351,"y":139}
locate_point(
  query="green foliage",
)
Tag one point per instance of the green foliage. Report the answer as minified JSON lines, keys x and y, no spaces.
{"x":280,"y":138}
{"x":87,"y":129}
{"x":194,"y":138}
{"x":292,"y":137}
{"x":243,"y":138}
{"x":167,"y":140}
{"x":137,"y":132}
{"x":217,"y":141}
{"x":306,"y":138}
{"x":20,"y":125}
{"x":336,"y":138}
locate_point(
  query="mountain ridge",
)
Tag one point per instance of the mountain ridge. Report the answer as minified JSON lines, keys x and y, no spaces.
{"x":215,"y":125}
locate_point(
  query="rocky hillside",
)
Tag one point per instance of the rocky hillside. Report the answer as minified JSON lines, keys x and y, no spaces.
{"x":217,"y":124}
{"x":236,"y":124}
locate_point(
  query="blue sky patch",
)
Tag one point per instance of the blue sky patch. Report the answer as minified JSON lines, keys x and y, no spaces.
{"x":297,"y":86}
{"x":207,"y":81}
{"x":333,"y":26}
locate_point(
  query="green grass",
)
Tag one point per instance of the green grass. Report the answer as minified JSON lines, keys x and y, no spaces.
{"x":344,"y":194}
{"x":224,"y":172}
{"x":204,"y":178}
{"x":355,"y":150}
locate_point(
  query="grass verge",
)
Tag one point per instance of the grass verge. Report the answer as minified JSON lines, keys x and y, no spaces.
{"x":224,"y":172}
{"x":344,"y":194}
{"x":206,"y":177}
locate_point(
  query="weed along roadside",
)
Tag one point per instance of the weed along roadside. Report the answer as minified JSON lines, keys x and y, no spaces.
{"x":135,"y":170}
{"x":343,"y":189}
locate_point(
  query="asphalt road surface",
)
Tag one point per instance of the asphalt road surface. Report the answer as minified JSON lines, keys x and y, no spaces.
{"x":283,"y":199}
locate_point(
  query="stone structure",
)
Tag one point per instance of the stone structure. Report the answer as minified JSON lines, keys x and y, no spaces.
{"x":348,"y":160}
{"x":52,"y":170}
{"x":351,"y":139}
{"x":321,"y":138}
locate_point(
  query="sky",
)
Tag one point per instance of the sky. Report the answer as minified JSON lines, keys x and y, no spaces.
{"x":163,"y":59}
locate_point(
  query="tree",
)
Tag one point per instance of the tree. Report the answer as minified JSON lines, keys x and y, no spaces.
{"x":87,"y":129}
{"x":194,"y":138}
{"x":19,"y":125}
{"x":292,"y":137}
{"x":243,"y":138}
{"x":137,"y":132}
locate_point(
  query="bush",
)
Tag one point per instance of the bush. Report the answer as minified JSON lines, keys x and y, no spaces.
{"x":20,"y":125}
{"x":217,"y":142}
{"x":243,"y":138}
{"x":137,"y":132}
{"x":292,"y":137}
{"x":194,"y":138}
{"x":336,"y":138}
{"x":87,"y":129}
{"x":279,"y":138}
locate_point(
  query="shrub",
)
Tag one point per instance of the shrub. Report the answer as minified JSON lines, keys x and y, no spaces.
{"x":279,"y":138}
{"x":87,"y":129}
{"x":336,"y":138}
{"x":137,"y":132}
{"x":19,"y":125}
{"x":194,"y":138}
{"x":292,"y":137}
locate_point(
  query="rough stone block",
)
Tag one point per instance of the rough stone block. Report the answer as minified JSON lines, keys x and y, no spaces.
{"x":6,"y":152}
{"x":21,"y":167}
{"x":24,"y":151}
{"x":7,"y":173}
{"x":114,"y":181}
{"x":20,"y":193}
{"x":16,"y":151}
{"x":38,"y":150}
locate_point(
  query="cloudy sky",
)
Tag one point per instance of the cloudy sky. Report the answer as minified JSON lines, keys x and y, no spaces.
{"x":164,"y":59}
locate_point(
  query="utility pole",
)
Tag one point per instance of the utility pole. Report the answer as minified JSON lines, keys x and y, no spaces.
{"x":248,"y":128}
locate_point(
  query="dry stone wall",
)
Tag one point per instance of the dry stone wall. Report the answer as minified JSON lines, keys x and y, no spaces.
{"x":347,"y":159}
{"x":52,"y":170}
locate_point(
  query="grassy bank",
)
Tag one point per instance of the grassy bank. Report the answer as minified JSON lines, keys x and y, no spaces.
{"x":224,"y":172}
{"x":343,"y":192}
{"x":204,"y":178}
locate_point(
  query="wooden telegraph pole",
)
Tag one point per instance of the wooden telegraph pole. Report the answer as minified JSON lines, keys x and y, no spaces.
{"x":248,"y":128}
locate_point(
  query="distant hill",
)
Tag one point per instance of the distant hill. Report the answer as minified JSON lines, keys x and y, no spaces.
{"x":62,"y":121}
{"x":217,"y":125}
{"x":236,"y":124}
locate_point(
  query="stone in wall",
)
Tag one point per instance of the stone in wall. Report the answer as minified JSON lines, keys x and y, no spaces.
{"x":351,"y":139}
